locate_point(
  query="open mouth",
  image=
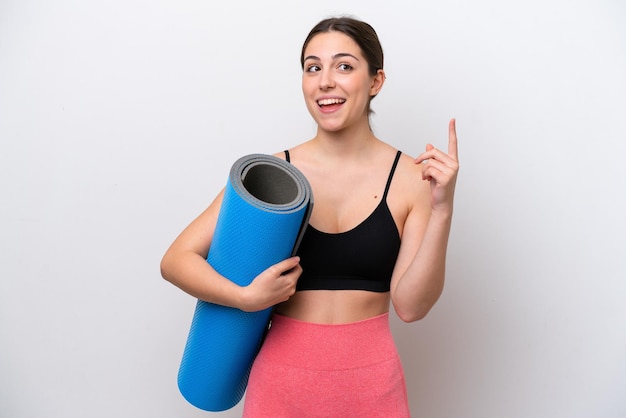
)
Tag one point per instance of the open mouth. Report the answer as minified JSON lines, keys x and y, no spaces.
{"x":330,"y":102}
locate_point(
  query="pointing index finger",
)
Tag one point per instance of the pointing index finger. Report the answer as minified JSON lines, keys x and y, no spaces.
{"x":452,"y":141}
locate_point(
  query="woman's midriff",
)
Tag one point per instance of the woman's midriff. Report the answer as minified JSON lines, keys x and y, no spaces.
{"x":334,"y":306}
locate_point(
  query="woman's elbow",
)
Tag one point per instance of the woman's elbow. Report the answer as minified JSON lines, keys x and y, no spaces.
{"x":412,"y":311}
{"x":412,"y":315}
{"x":166,"y":267}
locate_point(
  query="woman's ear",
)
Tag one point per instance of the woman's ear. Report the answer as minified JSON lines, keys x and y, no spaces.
{"x":377,"y":82}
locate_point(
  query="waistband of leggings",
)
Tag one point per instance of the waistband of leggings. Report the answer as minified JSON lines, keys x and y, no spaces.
{"x":330,"y":346}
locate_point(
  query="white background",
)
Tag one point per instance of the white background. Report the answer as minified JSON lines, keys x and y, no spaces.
{"x":119,"y":121}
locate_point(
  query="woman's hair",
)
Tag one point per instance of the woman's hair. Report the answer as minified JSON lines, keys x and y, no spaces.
{"x":362,"y":33}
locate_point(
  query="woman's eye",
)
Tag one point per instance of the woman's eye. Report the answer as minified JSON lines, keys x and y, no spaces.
{"x":345,"y":67}
{"x":312,"y":68}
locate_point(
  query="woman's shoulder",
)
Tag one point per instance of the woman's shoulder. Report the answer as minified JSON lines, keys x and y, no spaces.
{"x":406,"y":169}
{"x":408,"y":180}
{"x":282,"y":154}
{"x":293,"y":149}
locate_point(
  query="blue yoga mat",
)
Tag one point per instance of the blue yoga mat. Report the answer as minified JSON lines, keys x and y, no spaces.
{"x":266,"y":207}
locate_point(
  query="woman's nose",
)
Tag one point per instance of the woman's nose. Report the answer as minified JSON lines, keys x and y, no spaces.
{"x":326,"y":80}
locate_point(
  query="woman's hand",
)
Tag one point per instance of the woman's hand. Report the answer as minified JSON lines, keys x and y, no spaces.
{"x":273,"y":286}
{"x":441,"y":170}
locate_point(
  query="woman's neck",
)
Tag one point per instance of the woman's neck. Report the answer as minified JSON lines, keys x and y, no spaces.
{"x":352,"y":141}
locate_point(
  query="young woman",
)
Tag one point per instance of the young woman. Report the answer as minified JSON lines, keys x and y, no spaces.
{"x":377,"y":236}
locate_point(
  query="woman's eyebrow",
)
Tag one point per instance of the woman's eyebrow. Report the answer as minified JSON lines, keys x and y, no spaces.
{"x":338,"y":55}
{"x":344,"y":54}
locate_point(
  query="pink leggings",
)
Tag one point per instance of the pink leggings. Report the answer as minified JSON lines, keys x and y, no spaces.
{"x":317,"y":370}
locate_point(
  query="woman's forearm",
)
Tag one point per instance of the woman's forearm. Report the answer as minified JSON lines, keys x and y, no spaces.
{"x":420,"y":286}
{"x":192,"y":274}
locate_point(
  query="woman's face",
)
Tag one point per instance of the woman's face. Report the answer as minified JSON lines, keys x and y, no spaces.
{"x":336,"y":82}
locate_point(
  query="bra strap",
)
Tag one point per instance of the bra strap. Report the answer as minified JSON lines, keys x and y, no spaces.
{"x":393,"y":170}
{"x":287,"y":156}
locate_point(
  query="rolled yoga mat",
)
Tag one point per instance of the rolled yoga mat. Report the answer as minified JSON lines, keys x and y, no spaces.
{"x":266,"y":207}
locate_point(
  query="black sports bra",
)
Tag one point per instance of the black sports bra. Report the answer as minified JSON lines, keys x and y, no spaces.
{"x":362,"y":258}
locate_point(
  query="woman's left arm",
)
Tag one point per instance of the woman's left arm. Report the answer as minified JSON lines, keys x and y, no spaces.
{"x":419,"y":275}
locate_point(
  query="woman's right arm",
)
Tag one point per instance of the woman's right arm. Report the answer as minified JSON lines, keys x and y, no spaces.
{"x":184,"y":265}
